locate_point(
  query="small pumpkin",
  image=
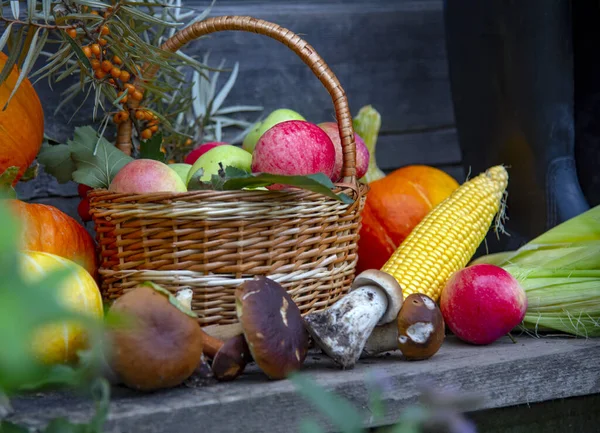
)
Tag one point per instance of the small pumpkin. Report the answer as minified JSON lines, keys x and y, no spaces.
{"x":46,"y":228}
{"x":395,"y":204}
{"x":21,"y":124}
{"x":57,"y":343}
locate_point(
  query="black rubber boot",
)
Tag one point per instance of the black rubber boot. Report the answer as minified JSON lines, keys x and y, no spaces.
{"x":511,"y":73}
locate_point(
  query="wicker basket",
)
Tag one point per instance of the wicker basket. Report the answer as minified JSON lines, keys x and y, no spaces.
{"x":210,"y":241}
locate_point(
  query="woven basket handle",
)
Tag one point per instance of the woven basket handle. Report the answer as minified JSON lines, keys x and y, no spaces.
{"x":306,"y":52}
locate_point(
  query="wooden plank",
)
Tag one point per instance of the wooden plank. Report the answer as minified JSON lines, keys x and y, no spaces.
{"x":388,"y":53}
{"x":502,"y":374}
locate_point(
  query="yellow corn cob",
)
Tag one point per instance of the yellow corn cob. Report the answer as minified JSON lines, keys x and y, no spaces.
{"x":446,"y":239}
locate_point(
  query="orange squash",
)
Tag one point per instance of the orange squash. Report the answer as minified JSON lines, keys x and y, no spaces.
{"x":395,"y":204}
{"x":47,"y":229}
{"x":21,"y":124}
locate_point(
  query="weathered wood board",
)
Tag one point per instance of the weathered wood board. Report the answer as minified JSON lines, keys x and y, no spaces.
{"x":502,"y":375}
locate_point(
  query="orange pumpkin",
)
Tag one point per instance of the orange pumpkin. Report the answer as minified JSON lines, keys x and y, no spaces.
{"x":21,"y":124}
{"x":395,"y":204}
{"x":49,"y":230}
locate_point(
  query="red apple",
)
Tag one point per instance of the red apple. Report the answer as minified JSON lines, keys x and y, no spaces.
{"x":294,"y":147}
{"x":142,"y":176}
{"x":82,"y":190}
{"x":362,"y":153}
{"x":481,"y":303}
{"x":200,"y":150}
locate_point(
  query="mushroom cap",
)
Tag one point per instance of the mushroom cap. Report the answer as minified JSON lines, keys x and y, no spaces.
{"x":391,"y":288}
{"x":160,"y":348}
{"x":273,"y":326}
{"x":421,"y":328}
{"x":230,"y":361}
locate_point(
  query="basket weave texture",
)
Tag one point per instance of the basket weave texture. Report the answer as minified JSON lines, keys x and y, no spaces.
{"x":211,"y":241}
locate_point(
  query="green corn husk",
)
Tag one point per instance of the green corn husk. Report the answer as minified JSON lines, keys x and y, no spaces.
{"x":560,"y":272}
{"x":367,"y":124}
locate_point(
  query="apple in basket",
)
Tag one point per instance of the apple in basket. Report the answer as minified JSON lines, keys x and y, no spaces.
{"x":225,"y":155}
{"x":362,"y":153}
{"x":201,"y":150}
{"x":277,"y":116}
{"x":294,"y":147}
{"x":142,"y":176}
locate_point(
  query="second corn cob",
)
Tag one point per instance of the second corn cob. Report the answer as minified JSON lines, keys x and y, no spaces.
{"x":446,"y":239}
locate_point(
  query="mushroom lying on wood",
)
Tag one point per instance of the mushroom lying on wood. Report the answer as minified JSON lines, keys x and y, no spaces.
{"x":163,"y":344}
{"x":273,"y":326}
{"x":229,"y":358}
{"x":419,"y":331}
{"x":342,"y":330}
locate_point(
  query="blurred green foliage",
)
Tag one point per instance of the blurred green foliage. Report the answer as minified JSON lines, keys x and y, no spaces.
{"x":24,"y":308}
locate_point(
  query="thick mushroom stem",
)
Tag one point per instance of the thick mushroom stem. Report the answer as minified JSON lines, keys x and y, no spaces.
{"x":384,"y":338}
{"x":342,"y":330}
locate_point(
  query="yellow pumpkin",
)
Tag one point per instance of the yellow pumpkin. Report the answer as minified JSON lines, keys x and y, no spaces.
{"x":59,"y":342}
{"x":21,"y":124}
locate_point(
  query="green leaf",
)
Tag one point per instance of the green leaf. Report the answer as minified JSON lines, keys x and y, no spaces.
{"x":78,"y":51}
{"x":14,"y":54}
{"x":97,"y":160}
{"x":9,"y":427}
{"x":150,"y":149}
{"x":57,"y":161}
{"x":310,"y":426}
{"x":318,"y":183}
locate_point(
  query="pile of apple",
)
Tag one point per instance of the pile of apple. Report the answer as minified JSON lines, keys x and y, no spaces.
{"x":284,"y":143}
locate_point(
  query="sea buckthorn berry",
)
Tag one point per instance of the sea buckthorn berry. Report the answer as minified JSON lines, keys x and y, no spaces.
{"x":137,"y":95}
{"x":154,"y":128}
{"x":72,"y":33}
{"x":188,"y":142}
{"x":111,"y":81}
{"x":117,"y":118}
{"x":104,"y":30}
{"x":94,"y":13}
{"x":152,"y":123}
{"x":106,"y":65}
{"x":95,"y":64}
{"x":148,"y":115}
{"x":117,"y":60}
{"x":124,"y":99}
{"x":87,"y":51}
{"x":102,"y":42}
{"x":124,"y":115}
{"x":130,"y":88}
{"x":140,"y":115}
{"x":115,"y":72}
{"x":146,"y":134}
{"x":100,"y":74}
{"x":125,"y":76}
{"x":96,"y":49}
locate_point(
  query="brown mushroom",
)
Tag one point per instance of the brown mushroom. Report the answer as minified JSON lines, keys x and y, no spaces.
{"x":161,"y":344}
{"x":273,"y":326}
{"x":342,"y":330}
{"x":229,"y":358}
{"x":421,"y":329}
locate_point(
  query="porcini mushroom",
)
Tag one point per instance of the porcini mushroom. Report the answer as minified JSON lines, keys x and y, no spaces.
{"x":421,"y":329}
{"x":163,"y":344}
{"x":273,"y":326}
{"x":229,"y":358}
{"x":342,"y":330}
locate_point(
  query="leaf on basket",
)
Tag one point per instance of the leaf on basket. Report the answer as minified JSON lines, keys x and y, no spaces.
{"x":151,"y":148}
{"x":232,"y":178}
{"x":87,"y":159}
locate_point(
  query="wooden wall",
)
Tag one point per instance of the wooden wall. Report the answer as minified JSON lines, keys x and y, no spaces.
{"x":388,"y":53}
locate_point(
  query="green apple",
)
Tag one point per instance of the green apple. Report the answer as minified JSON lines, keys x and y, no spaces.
{"x":227,"y":155}
{"x":277,"y":116}
{"x":182,"y":170}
